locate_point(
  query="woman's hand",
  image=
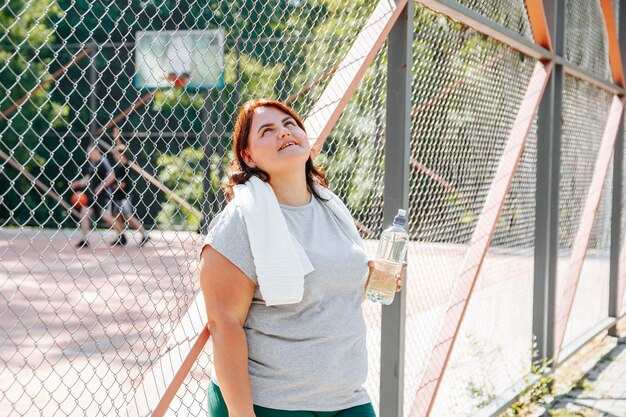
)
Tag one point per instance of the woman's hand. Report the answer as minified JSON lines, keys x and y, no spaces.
{"x":399,"y":276}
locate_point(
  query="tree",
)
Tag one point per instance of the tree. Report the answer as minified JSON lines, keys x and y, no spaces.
{"x":26,"y":31}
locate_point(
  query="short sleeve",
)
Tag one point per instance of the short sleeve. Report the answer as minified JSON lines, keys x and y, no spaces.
{"x":228,"y":235}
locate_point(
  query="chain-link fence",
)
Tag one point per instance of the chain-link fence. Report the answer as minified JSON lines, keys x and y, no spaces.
{"x":467,"y":90}
{"x":582,"y":133}
{"x":97,"y":312}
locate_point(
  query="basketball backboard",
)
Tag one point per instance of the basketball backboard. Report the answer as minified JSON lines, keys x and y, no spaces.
{"x":193,"y":58}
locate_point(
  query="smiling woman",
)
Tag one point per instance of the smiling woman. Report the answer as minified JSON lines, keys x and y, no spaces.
{"x":262,"y":128}
{"x":283,"y":273}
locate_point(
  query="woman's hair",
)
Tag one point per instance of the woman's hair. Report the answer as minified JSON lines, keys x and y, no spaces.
{"x":239,"y":172}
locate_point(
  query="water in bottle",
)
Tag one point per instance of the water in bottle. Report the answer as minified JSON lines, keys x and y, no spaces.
{"x":394,"y":242}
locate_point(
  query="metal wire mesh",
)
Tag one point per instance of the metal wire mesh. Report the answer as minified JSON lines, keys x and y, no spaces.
{"x":98,"y":330}
{"x":509,"y":13}
{"x":354,"y":157}
{"x":464,"y":103}
{"x":586,"y":43}
{"x":583,"y":127}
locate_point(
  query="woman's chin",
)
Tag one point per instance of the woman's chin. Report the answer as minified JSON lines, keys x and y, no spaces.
{"x":289,"y":164}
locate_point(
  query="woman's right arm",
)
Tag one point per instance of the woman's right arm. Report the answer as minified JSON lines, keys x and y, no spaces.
{"x":228,"y":294}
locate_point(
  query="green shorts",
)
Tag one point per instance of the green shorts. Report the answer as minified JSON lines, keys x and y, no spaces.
{"x":217,"y":408}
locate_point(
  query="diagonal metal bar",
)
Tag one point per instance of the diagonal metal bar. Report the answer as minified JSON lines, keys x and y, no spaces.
{"x":320,"y":78}
{"x":539,"y":23}
{"x":325,"y":113}
{"x":615,"y":59}
{"x":583,"y":234}
{"x":481,"y":238}
{"x":158,"y":184}
{"x":442,"y":94}
{"x":47,"y":191}
{"x":184,"y":369}
{"x":140,"y":102}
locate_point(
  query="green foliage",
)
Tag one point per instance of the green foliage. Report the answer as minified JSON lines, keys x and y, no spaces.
{"x":539,"y":393}
{"x":268,"y":52}
{"x":480,"y":388}
{"x":581,"y":412}
{"x":181,"y":173}
{"x":26,"y":30}
{"x":184,"y":173}
{"x":607,"y":357}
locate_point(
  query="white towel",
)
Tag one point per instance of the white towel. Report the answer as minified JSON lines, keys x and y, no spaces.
{"x":280,"y":261}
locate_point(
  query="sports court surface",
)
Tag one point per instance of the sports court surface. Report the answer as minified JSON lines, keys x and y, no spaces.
{"x":111,"y":312}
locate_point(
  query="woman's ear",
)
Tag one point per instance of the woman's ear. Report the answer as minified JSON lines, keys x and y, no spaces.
{"x":247,"y":159}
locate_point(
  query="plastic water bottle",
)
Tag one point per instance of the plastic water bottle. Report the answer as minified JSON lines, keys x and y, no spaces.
{"x":394,"y":242}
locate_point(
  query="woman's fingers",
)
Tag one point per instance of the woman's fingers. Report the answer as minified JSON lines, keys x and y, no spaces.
{"x":400,"y":277}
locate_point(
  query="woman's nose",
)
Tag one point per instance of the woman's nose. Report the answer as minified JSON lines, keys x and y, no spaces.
{"x":283,"y":132}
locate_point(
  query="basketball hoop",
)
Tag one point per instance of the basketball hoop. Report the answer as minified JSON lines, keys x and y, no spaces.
{"x":192,"y":59}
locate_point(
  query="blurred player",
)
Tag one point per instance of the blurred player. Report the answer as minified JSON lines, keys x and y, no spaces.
{"x":98,"y":179}
{"x":122,"y":207}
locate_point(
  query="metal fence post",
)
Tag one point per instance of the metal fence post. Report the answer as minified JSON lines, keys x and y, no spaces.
{"x":396,"y":196}
{"x":615,"y":303}
{"x":547,"y":192}
{"x":93,"y":93}
{"x":208,"y":130}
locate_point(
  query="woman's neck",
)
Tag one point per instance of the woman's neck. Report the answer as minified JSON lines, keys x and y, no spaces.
{"x":291,"y":190}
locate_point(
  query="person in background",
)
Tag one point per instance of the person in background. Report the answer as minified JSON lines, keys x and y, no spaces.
{"x":284,"y":347}
{"x":122,"y":206}
{"x":97,"y":181}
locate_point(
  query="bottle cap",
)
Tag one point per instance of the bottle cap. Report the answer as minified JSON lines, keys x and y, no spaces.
{"x":400,"y":219}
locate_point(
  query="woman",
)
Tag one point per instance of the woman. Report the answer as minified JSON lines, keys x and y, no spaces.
{"x":306,"y":358}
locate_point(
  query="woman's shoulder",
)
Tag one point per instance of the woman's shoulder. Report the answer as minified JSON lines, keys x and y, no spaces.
{"x":229,"y":219}
{"x":227,"y":234}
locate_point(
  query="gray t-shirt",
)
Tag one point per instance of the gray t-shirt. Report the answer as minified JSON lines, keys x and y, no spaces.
{"x":310,"y":355}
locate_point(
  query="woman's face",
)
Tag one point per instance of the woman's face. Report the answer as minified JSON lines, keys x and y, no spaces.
{"x":276,"y":144}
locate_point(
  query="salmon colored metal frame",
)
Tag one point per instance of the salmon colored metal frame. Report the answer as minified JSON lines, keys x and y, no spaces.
{"x":617,"y":71}
{"x":615,"y":59}
{"x":579,"y":251}
{"x":539,"y":23}
{"x":326,"y":111}
{"x":335,"y":98}
{"x":437,"y":364}
{"x":481,"y":239}
{"x":184,"y":369}
{"x":16,"y":165}
{"x":43,"y":187}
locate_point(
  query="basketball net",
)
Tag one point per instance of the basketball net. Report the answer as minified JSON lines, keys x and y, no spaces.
{"x":177,"y":80}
